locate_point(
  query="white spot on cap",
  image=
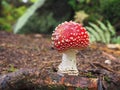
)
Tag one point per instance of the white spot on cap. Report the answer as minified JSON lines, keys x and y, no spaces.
{"x":62,"y":41}
{"x":67,"y":40}
{"x":65,"y":22}
{"x":85,"y":36}
{"x":71,"y":38}
{"x":71,"y":43}
{"x":78,"y":36}
{"x":85,"y":32}
{"x":74,"y":34}
{"x":82,"y":32}
{"x":82,"y":42}
{"x":74,"y":39}
{"x":81,"y":28}
{"x":58,"y":42}
{"x":76,"y":27}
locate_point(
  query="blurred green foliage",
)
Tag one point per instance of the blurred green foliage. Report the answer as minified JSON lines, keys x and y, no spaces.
{"x":79,"y":4}
{"x":101,"y":10}
{"x":45,"y":19}
{"x":53,"y":12}
{"x":10,"y":14}
{"x":110,"y":9}
{"x":43,"y":24}
{"x":33,"y":1}
{"x":25,"y":17}
{"x":91,"y":7}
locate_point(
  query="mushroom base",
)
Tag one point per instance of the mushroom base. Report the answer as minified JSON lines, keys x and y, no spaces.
{"x":68,"y":64}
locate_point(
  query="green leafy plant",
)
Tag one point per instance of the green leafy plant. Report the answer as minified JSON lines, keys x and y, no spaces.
{"x":101,"y":32}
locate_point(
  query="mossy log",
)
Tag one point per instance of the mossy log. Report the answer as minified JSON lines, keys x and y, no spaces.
{"x":31,"y":78}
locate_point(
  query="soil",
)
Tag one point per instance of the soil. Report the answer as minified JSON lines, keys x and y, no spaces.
{"x":36,"y":51}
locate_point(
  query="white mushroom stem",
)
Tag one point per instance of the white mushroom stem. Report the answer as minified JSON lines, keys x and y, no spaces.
{"x":68,"y":64}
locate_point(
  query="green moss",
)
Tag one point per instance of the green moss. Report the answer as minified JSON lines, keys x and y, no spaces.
{"x":90,"y":75}
{"x":106,"y":78}
{"x":11,"y":68}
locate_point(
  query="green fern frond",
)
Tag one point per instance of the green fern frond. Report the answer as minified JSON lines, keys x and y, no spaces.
{"x":92,"y":39}
{"x":111,"y":28}
{"x":116,"y":40}
{"x":106,"y":32}
{"x":102,"y":25}
{"x":101,"y":32}
{"x":107,"y":37}
{"x":93,"y":33}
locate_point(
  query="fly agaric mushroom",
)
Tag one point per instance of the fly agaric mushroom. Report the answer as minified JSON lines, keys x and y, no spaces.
{"x":67,"y":38}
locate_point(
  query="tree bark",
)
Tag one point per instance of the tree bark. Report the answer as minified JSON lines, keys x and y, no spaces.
{"x":31,"y":78}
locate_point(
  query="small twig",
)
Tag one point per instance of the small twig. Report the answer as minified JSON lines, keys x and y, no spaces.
{"x":103,"y":66}
{"x":109,"y":55}
{"x":92,"y":65}
{"x":107,"y":68}
{"x":82,"y":55}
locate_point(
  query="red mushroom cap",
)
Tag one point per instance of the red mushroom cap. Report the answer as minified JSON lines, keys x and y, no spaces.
{"x":70,"y":35}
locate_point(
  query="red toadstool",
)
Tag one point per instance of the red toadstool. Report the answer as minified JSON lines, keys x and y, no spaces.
{"x":67,"y":38}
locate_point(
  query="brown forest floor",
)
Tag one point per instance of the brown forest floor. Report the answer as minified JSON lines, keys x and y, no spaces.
{"x":35,"y":51}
